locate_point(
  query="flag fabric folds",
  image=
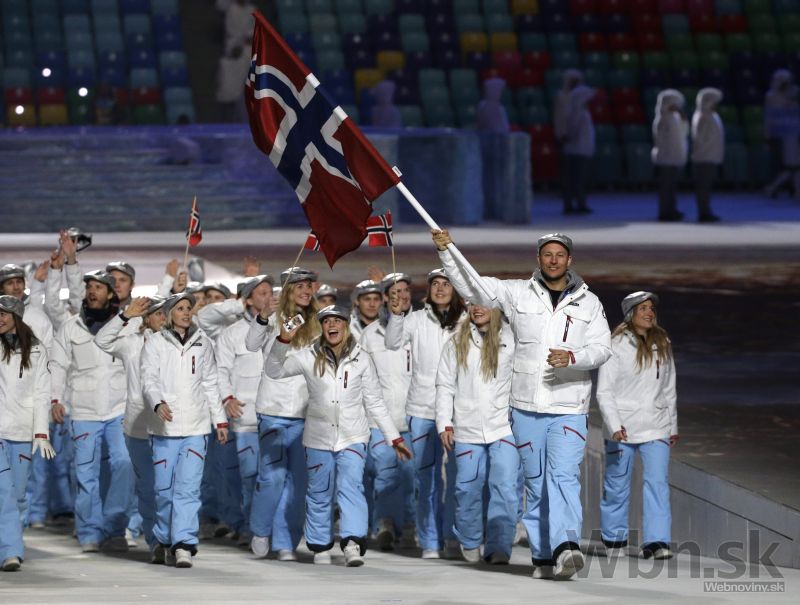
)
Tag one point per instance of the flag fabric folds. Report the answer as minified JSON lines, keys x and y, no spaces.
{"x":379,"y":231}
{"x":312,"y":242}
{"x":334,"y":170}
{"x":194,"y":234}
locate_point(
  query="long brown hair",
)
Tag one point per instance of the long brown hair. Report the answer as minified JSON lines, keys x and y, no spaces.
{"x":448,"y":319}
{"x":288,"y":309}
{"x":25,"y":341}
{"x":490,"y":346}
{"x":321,"y":360}
{"x":656,"y":335}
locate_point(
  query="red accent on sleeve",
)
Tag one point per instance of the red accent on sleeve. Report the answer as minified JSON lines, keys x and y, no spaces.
{"x":449,"y":429}
{"x":227,"y":399}
{"x":571,"y":357}
{"x":223,"y":425}
{"x":54,"y":401}
{"x":398,"y":441}
{"x":286,"y":342}
{"x":40,"y":436}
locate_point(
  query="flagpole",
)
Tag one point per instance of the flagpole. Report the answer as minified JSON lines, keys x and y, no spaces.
{"x":451,"y":246}
{"x":186,"y":251}
{"x":297,"y":258}
{"x":394,"y":265}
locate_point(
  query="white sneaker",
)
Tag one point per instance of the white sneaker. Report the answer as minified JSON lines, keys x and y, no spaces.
{"x":116,"y":544}
{"x":520,"y":533}
{"x":471,"y":555}
{"x":11,"y":564}
{"x":431,"y":553}
{"x":322,"y":558}
{"x":543,"y":572}
{"x":36,"y":525}
{"x":352,"y":555}
{"x":169,"y":557}
{"x":498,"y":558}
{"x":286,"y":555}
{"x":90,"y":547}
{"x":452,"y":549}
{"x":385,"y":537}
{"x":130,"y":539}
{"x":260,"y":546}
{"x":568,"y":563}
{"x":183,"y":558}
{"x":159,"y":554}
{"x":409,"y":537}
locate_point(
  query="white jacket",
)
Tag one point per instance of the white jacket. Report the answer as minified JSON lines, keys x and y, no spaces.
{"x":115,"y":339}
{"x":25,"y":396}
{"x":708,"y":133}
{"x":394,"y":372}
{"x":578,"y":324}
{"x":286,"y":397}
{"x":215,"y":317}
{"x":643,"y":400}
{"x":38,"y":321}
{"x":579,"y":135}
{"x":427,"y":338}
{"x":670,"y":131}
{"x":96,"y":379}
{"x":239,"y":372}
{"x":477,"y":410}
{"x":338,"y":401}
{"x":184,"y":376}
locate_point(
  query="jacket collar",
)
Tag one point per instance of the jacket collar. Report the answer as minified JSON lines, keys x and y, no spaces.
{"x":349,"y":352}
{"x":192,"y":336}
{"x":575,"y":285}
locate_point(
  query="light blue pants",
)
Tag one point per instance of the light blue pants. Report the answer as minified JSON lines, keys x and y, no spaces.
{"x":477,"y":465}
{"x":178,"y":467}
{"x":97,"y":518}
{"x":247,"y":452}
{"x":341,"y":474}
{"x":15,"y":466}
{"x":38,"y":489}
{"x":393,"y":479}
{"x":50,"y":488}
{"x":277,"y":508}
{"x":436,"y":503}
{"x":551,"y":447}
{"x":656,"y":517}
{"x":228,"y":485}
{"x":142,"y":459}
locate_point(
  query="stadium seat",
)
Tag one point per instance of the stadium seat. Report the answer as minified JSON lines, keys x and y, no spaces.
{"x":53,"y":115}
{"x":148,"y":114}
{"x":638,"y":165}
{"x":352,"y":23}
{"x":607,"y":164}
{"x":378,"y":7}
{"x":179,"y":112}
{"x":532,"y":41}
{"x":26,"y":116}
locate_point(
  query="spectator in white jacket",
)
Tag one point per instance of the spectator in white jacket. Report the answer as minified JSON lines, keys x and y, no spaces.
{"x":637,"y":398}
{"x":577,"y":147}
{"x":473,"y":387}
{"x":343,"y":389}
{"x":276,"y":515}
{"x":24,"y":393}
{"x":561,"y":333}
{"x":97,"y":384}
{"x":670,"y":150}
{"x":428,"y":330}
{"x":780,"y":111}
{"x":179,"y":378}
{"x":708,"y":149}
{"x":115,"y":340}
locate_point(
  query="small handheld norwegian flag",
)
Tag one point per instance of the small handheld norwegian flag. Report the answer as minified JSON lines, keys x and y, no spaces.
{"x":379,"y":230}
{"x":312,"y":242}
{"x":195,"y":233}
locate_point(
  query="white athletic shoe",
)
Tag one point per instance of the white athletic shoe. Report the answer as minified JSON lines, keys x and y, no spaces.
{"x":471,"y":555}
{"x":520,"y":533}
{"x":352,"y":555}
{"x":130,"y":539}
{"x":568,"y":563}
{"x":498,"y":558}
{"x":409,"y":537}
{"x":90,"y":547}
{"x":116,"y":544}
{"x":322,"y":558}
{"x":286,"y":555}
{"x":169,"y":557}
{"x":159,"y":554}
{"x":36,"y":525}
{"x":11,"y":564}
{"x":431,"y":553}
{"x":260,"y":546}
{"x":385,"y":537}
{"x":452,"y":549}
{"x":183,"y":558}
{"x":543,"y":572}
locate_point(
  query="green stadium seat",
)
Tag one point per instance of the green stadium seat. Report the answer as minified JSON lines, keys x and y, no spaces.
{"x":734,"y":133}
{"x":149,"y":114}
{"x":735,"y":167}
{"x":714,"y":60}
{"x":562,"y":41}
{"x":413,"y":41}
{"x":674,"y":24}
{"x":439,"y":116}
{"x":532,"y":41}
{"x":605,"y":133}
{"x":322,"y":22}
{"x":655,"y":60}
{"x":348,"y":7}
{"x":165,"y":7}
{"x":790,"y":22}
{"x":596,"y":60}
{"x":79,"y":40}
{"x":470,"y":23}
{"x":729,"y":114}
{"x":499,"y":23}
{"x":466,"y":115}
{"x":759,"y":158}
{"x":752,"y":7}
{"x":330,"y":60}
{"x":319,"y":6}
{"x":494,"y":7}
{"x":46,"y":22}
{"x":708,"y":42}
{"x":622,"y":78}
{"x":461,"y":78}
{"x":529,"y":95}
{"x":607,"y":164}
{"x":595,"y":77}
{"x":180,"y":111}
{"x":293,"y":23}
{"x":411,"y":23}
{"x":638,"y":165}
{"x":289,"y":7}
{"x":685,"y":60}
{"x":791,"y":42}
{"x":754,"y":133}
{"x":766,"y":42}
{"x":753,"y":114}
{"x":378,"y":7}
{"x":762,"y":23}
{"x":411,"y":116}
{"x":324,"y":41}
{"x":626,"y":60}
{"x":533,"y":114}
{"x":82,"y":23}
{"x":352,"y":23}
{"x":566,"y":59}
{"x":636,"y":133}
{"x":131,"y":24}
{"x":466,"y":6}
{"x":431,"y":78}
{"x":80,"y":58}
{"x":678,"y":42}
{"x":738,"y":43}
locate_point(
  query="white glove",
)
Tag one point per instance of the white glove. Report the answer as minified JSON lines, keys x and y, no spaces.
{"x":46,"y":449}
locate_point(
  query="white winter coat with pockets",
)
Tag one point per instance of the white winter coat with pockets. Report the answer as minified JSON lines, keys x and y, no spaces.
{"x":239,"y":372}
{"x":394,"y":372}
{"x":24,"y":396}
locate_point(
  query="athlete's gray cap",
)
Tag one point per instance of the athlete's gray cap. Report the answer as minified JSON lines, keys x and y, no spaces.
{"x":219,"y":287}
{"x":102,"y":277}
{"x":11,"y":271}
{"x":82,"y":240}
{"x":251,"y":284}
{"x":367,"y":287}
{"x":194,"y":286}
{"x":12,"y":304}
{"x":326,"y":290}
{"x":636,"y":298}
{"x":173,"y":300}
{"x":554,"y":237}
{"x":156,"y":303}
{"x":294,"y":275}
{"x":437,"y":273}
{"x":389,"y":280}
{"x":333,"y":311}
{"x":122,"y":267}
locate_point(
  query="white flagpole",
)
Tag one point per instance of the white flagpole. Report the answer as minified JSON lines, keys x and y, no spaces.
{"x":186,"y":251}
{"x":452,"y":247}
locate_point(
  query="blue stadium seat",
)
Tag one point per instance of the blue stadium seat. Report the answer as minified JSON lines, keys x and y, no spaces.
{"x":51,"y":59}
{"x":175,"y":76}
{"x":105,"y":7}
{"x":73,"y":7}
{"x":109,"y":41}
{"x":73,"y":23}
{"x":143,"y":77}
{"x":136,"y":24}
{"x":169,"y":40}
{"x":141,"y":57}
{"x":175,"y":95}
{"x":81,"y":76}
{"x":179,"y":111}
{"x":113,"y":75}
{"x":131,"y":7}
{"x":80,"y":58}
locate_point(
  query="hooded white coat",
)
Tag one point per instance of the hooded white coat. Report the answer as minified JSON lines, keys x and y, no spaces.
{"x":670,"y":130}
{"x":708,"y":132}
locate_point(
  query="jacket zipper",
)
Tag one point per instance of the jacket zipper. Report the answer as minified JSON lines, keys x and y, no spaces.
{"x":658,"y":368}
{"x":408,"y":361}
{"x":345,"y":380}
{"x":192,"y":364}
{"x":566,"y":328}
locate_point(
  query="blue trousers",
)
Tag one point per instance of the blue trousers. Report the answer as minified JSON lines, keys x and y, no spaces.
{"x":51,"y":486}
{"x":393,"y":480}
{"x":142,"y":459}
{"x":178,"y":468}
{"x":341,"y":474}
{"x":656,"y":517}
{"x":436,"y":504}
{"x":477,"y":465}
{"x":551,"y":447}
{"x":277,"y":509}
{"x":247,"y":452}
{"x":96,"y":519}
{"x":227,"y":483}
{"x":15,"y":466}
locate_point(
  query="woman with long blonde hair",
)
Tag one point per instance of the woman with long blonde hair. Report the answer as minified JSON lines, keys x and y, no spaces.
{"x":473,"y":387}
{"x":276,"y":512}
{"x":637,"y":397}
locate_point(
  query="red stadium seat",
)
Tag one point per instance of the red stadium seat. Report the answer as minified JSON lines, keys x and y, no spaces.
{"x":542,"y":133}
{"x":537,"y":59}
{"x":621,"y":42}
{"x":507,"y":60}
{"x":705,"y":23}
{"x":18,"y":96}
{"x":582,"y":7}
{"x":643,"y":7}
{"x":669,"y":7}
{"x":733,"y":24}
{"x":526,"y":76}
{"x":625,"y":96}
{"x":613,"y":7}
{"x":629,"y":114}
{"x":50,"y":96}
{"x":600,"y":110}
{"x":700,"y":7}
{"x":592,"y":42}
{"x":651,"y":42}
{"x":646,"y":22}
{"x":544,"y":163}
{"x":146,"y":96}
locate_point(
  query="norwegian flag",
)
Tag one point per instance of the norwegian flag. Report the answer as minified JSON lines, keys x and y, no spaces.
{"x":379,"y":230}
{"x":312,"y":242}
{"x":195,"y":232}
{"x":334,"y":170}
